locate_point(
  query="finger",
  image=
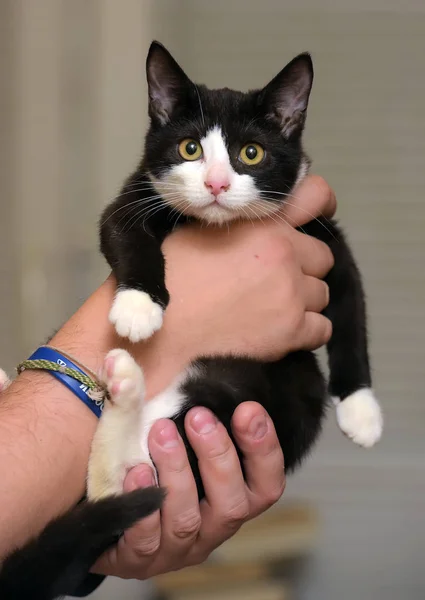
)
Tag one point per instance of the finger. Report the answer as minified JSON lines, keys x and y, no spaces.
{"x":316,"y":293}
{"x":140,"y":543}
{"x":313,"y":198}
{"x":226,"y":505}
{"x":314,"y":256}
{"x":315,"y":332}
{"x":180,"y":514}
{"x":256,"y":437}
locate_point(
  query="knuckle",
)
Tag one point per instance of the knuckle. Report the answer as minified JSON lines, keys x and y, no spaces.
{"x":285,"y":250}
{"x":295,"y":318}
{"x":293,"y":295}
{"x":178,"y":464}
{"x":322,"y":261}
{"x":274,"y":495}
{"x":237,"y":514}
{"x":221,"y":452}
{"x":273,"y":453}
{"x":287,"y":294}
{"x":187,"y":525}
{"x":197,"y":558}
{"x":147,"y":547}
{"x":278,"y":248}
{"x":322,"y":185}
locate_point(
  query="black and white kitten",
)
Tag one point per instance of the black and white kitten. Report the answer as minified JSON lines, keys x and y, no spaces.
{"x":213,"y":156}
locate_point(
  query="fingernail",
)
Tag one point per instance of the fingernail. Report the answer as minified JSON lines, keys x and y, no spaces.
{"x":139,"y":477}
{"x":145,"y":478}
{"x":327,"y":294}
{"x":328,"y":330}
{"x":203,"y":421}
{"x":168,"y":437}
{"x":258,"y":427}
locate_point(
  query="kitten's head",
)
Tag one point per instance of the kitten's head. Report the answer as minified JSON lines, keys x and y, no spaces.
{"x":220,"y":155}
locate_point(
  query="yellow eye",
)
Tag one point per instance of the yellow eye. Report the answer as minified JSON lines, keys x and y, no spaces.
{"x":190,"y":149}
{"x":252,"y":154}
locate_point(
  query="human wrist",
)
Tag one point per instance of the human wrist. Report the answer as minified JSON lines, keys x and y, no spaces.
{"x":166,"y":354}
{"x":89,"y":336}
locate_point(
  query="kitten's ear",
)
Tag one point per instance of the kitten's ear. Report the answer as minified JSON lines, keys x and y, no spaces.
{"x":167,"y":82}
{"x":285,"y":98}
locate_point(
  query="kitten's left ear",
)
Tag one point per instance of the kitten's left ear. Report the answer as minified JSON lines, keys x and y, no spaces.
{"x":168,"y":84}
{"x":285,"y":98}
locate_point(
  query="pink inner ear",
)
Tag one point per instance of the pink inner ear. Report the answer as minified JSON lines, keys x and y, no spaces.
{"x":217,"y":179}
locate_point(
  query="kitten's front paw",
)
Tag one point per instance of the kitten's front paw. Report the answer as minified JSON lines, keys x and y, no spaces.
{"x":360,"y":417}
{"x":123,"y":377}
{"x":135,"y":315}
{"x":4,"y":381}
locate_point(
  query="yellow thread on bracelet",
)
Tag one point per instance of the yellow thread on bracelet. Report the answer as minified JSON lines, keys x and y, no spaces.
{"x":96,"y":392}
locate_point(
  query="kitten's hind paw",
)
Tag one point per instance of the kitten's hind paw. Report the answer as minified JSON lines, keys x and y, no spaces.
{"x":135,"y":315}
{"x":123,"y":377}
{"x":360,"y":417}
{"x":4,"y":381}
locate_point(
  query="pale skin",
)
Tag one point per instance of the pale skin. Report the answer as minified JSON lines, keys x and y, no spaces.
{"x":46,"y":432}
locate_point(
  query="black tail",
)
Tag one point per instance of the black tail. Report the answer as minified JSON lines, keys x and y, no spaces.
{"x":56,"y":562}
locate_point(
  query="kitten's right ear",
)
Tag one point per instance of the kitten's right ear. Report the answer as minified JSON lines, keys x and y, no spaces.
{"x":167,"y":82}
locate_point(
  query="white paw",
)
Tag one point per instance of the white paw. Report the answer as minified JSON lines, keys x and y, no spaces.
{"x":135,"y":315}
{"x":4,"y":381}
{"x":360,"y":418}
{"x":123,"y":377}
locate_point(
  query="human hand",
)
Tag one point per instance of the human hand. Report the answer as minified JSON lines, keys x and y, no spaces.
{"x":225,"y":299}
{"x":255,"y":290}
{"x":186,"y":531}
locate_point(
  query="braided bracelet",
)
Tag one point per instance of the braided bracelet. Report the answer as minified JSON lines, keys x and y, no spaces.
{"x":68,"y":371}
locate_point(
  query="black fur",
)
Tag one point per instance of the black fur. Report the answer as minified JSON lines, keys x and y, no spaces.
{"x":293,"y":389}
{"x":53,"y":564}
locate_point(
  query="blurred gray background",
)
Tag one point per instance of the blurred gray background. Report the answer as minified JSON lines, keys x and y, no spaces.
{"x":72,"y":118}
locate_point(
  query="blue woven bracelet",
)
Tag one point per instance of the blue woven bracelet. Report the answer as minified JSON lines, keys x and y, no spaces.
{"x":89,"y":392}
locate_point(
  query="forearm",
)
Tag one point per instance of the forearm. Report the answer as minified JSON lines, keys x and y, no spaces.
{"x":227,"y":293}
{"x":46,"y":430}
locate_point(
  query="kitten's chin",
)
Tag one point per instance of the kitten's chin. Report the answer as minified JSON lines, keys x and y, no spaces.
{"x":215,"y":214}
{"x":219,"y":214}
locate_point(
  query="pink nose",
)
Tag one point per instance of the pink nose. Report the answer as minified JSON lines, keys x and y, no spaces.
{"x":217,"y":184}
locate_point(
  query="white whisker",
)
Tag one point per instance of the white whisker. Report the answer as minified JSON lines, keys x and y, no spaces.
{"x":294,"y":223}
{"x":139,"y":200}
{"x":153,"y":183}
{"x":137,"y":203}
{"x":148,"y":213}
{"x":140,"y":189}
{"x":150,"y":210}
{"x":290,"y":195}
{"x":152,"y":203}
{"x":276,"y":217}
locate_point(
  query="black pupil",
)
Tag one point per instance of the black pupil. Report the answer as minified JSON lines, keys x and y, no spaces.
{"x":191,"y":148}
{"x":251,"y":152}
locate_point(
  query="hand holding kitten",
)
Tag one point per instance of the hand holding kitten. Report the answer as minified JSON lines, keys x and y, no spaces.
{"x":273,"y":305}
{"x":186,"y":532}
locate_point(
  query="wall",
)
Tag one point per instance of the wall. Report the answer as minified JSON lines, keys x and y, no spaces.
{"x":72,"y":114}
{"x":365,"y":132}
